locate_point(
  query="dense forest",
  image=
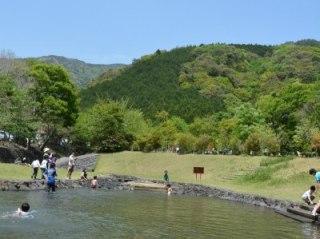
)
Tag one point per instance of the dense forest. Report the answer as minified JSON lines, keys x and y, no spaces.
{"x":216,"y":98}
{"x":237,"y":98}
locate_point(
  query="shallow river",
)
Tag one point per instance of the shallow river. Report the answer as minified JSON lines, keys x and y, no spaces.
{"x":121,"y":214}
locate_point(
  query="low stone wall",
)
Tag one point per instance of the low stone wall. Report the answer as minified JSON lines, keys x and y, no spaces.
{"x":87,"y":161}
{"x":121,"y":182}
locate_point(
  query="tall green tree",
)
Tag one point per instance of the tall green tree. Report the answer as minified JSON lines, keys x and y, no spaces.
{"x":16,"y":110}
{"x":103,"y":128}
{"x":56,"y":97}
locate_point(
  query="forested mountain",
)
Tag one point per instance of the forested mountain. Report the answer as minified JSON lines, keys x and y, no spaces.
{"x":248,"y":98}
{"x":80,"y":71}
{"x":198,"y":80}
{"x":152,"y":84}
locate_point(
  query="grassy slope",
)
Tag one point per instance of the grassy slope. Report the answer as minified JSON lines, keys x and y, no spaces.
{"x":289,"y":181}
{"x":19,"y":172}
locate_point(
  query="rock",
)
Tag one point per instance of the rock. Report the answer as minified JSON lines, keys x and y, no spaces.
{"x":87,"y":161}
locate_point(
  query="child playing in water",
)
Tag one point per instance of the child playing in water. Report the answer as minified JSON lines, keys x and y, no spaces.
{"x":23,"y":210}
{"x":51,"y":178}
{"x":94,"y":182}
{"x":308,"y":196}
{"x":169,"y":189}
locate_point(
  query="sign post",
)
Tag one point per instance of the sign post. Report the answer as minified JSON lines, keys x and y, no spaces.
{"x":198,"y":170}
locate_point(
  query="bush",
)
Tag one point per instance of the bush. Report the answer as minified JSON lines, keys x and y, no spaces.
{"x":203,"y":143}
{"x":253,"y":144}
{"x":186,"y":142}
{"x":262,"y":141}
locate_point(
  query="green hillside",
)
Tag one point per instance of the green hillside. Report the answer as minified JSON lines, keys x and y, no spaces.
{"x":245,"y":98}
{"x":152,"y":84}
{"x":196,"y":81}
{"x":80,"y":71}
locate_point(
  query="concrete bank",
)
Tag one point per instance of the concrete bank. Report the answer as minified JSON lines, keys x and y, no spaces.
{"x":121,"y":182}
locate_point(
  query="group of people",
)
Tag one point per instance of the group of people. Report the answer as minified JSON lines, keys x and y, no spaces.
{"x":309,"y":195}
{"x":48,"y":170}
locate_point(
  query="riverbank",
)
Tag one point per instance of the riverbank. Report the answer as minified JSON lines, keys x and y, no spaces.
{"x":280,"y":178}
{"x":120,"y":182}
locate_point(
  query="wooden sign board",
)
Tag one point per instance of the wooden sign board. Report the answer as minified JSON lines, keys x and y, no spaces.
{"x":198,"y":170}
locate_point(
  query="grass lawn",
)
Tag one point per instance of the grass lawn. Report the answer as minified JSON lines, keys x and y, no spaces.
{"x":281,"y":178}
{"x":20,"y":172}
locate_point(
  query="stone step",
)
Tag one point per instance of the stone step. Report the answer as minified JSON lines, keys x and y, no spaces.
{"x":294,"y":216}
{"x":301,"y":212}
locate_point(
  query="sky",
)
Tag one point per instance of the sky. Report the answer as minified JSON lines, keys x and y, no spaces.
{"x":118,"y":31}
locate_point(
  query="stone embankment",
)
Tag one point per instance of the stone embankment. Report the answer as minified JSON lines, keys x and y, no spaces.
{"x":87,"y":161}
{"x":120,"y":182}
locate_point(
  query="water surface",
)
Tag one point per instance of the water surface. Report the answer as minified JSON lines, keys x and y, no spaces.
{"x":121,"y":214}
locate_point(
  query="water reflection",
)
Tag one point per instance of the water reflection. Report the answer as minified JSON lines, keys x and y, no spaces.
{"x":311,"y":230}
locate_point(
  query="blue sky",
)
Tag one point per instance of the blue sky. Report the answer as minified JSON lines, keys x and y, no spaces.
{"x":117,"y":31}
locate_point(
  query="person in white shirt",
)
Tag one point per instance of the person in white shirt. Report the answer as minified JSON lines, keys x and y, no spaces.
{"x":43,"y":167}
{"x":308,"y":196}
{"x":35,"y":166}
{"x":71,"y":164}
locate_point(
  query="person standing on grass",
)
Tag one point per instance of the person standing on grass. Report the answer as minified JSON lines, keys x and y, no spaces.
{"x":35,"y":167}
{"x":43,"y":167}
{"x":166,"y":176}
{"x":316,"y":175}
{"x":71,"y":165}
{"x":52,"y":159}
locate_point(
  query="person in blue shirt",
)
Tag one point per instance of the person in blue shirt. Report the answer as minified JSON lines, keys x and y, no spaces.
{"x":51,"y":178}
{"x":316,"y":174}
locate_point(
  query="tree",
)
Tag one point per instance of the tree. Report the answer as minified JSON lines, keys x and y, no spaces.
{"x":302,"y":137}
{"x":315,"y":142}
{"x":103,"y":128}
{"x":186,"y":142}
{"x":262,"y":140}
{"x":15,"y":111}
{"x":56,"y":97}
{"x":202,"y":126}
{"x":203,"y":143}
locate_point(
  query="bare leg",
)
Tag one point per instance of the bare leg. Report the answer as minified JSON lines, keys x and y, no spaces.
{"x":315,"y":209}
